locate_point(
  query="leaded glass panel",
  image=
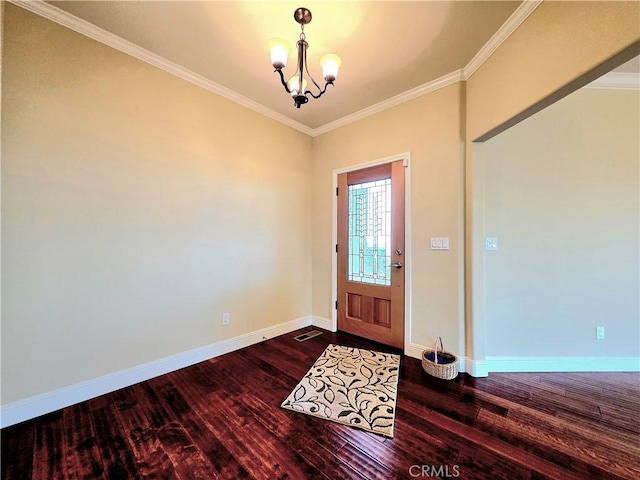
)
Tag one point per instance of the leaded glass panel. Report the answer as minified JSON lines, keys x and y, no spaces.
{"x":370,"y":233}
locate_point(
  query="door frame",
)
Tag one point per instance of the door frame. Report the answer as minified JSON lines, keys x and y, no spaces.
{"x":406,"y":161}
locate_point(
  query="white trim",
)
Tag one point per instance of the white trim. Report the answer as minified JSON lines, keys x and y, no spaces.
{"x":414,"y":350}
{"x":617,"y":81}
{"x":406,"y":158}
{"x":516,"y":19}
{"x":438,"y":83}
{"x":96,"y":33}
{"x":408,"y":263}
{"x":322,"y":322}
{"x":32,"y":407}
{"x":90,"y":30}
{"x":564,"y":364}
{"x":476,"y":368}
{"x":1,"y":65}
{"x":461,"y":252}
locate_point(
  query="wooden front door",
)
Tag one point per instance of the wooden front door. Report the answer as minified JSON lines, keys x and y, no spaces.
{"x":371,"y":253}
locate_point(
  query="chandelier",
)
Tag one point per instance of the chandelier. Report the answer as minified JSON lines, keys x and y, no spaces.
{"x":297,"y":83}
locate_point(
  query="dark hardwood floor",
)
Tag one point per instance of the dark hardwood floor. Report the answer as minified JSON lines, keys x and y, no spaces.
{"x":221,"y":419}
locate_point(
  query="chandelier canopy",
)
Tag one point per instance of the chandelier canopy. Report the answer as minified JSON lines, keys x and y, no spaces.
{"x":296,"y":85}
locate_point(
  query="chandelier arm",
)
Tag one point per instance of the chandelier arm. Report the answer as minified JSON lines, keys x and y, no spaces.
{"x":306,"y":68}
{"x":284,"y":83}
{"x":321,"y":91}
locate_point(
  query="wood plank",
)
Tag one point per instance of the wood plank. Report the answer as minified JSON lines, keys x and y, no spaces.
{"x":629,"y":419}
{"x":16,"y":443}
{"x":289,"y":430}
{"x":480,"y":464}
{"x":48,"y":458}
{"x":151,"y":459}
{"x":505,"y":452}
{"x":264,"y":459}
{"x":601,"y":426}
{"x":81,"y":445}
{"x":561,"y":426}
{"x":434,"y":400}
{"x":201,"y":422}
{"x":218,"y":403}
{"x":420,"y":443}
{"x":117,"y":457}
{"x":530,"y":385}
{"x":621,"y":461}
{"x":160,"y":401}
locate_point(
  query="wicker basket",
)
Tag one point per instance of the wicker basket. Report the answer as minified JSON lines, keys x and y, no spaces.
{"x":438,"y":363}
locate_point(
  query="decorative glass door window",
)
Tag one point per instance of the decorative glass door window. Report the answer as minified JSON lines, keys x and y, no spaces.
{"x":370,"y":233}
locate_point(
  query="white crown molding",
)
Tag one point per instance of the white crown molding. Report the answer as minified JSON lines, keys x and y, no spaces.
{"x":616,"y":81}
{"x":416,"y":92}
{"x":90,"y":30}
{"x":525,"y":9}
{"x":521,"y":13}
{"x":32,"y":407}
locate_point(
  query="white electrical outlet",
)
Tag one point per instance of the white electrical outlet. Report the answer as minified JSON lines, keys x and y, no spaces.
{"x":599,"y":333}
{"x":490,"y":244}
{"x":225,"y":319}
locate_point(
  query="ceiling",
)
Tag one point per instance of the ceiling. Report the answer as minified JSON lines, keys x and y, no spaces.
{"x":632,"y":66}
{"x":387,"y":48}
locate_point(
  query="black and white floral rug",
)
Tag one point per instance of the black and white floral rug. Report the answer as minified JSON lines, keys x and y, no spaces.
{"x":352,"y":386}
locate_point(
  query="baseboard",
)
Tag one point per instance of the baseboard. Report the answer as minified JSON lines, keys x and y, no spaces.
{"x":321,"y":322}
{"x":32,"y":407}
{"x":414,"y":350}
{"x":475,"y":368}
{"x":481,"y":368}
{"x":564,"y":364}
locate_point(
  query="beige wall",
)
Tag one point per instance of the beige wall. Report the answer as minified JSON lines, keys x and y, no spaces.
{"x":561,"y":195}
{"x":557,"y":44}
{"x":428,"y":127}
{"x":136,"y":209}
{"x":560,"y":47}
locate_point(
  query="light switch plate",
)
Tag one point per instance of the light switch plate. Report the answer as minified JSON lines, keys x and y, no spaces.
{"x":439,"y":243}
{"x":490,"y":243}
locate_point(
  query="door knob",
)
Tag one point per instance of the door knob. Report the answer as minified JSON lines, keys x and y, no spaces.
{"x":397,"y":265}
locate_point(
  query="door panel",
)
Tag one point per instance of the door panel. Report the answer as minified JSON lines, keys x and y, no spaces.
{"x":370,"y":253}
